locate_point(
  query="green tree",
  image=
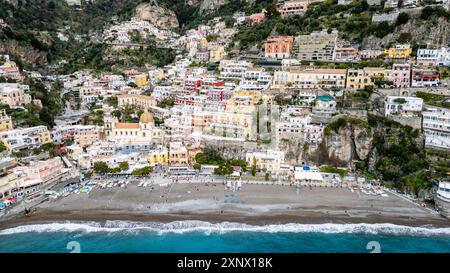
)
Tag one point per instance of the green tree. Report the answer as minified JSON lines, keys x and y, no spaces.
{"x":253,"y":170}
{"x":112,"y":101}
{"x":402,"y":19}
{"x":142,"y":171}
{"x":166,"y":103}
{"x":2,"y":146}
{"x":271,"y":9}
{"x":124,"y":166}
{"x":116,"y":113}
{"x":101,"y":167}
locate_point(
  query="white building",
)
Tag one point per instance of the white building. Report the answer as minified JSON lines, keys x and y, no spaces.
{"x":427,"y":57}
{"x":433,"y":57}
{"x":306,"y":97}
{"x":436,"y":127}
{"x":311,"y":78}
{"x":325,"y":106}
{"x":269,"y":160}
{"x":403,"y":106}
{"x":25,"y":138}
{"x":306,"y":176}
{"x":444,"y":191}
{"x":444,"y":56}
{"x":233,"y":69}
{"x":391,"y":4}
{"x":162,"y":92}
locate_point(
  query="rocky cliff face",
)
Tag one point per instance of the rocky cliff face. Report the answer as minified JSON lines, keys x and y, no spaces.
{"x":350,"y":142}
{"x":347,"y":141}
{"x":211,"y":5}
{"x":28,"y":54}
{"x":292,"y":148}
{"x":420,"y":32}
{"x":158,"y":16}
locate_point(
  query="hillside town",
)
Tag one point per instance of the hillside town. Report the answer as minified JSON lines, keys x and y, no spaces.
{"x":268,"y":115}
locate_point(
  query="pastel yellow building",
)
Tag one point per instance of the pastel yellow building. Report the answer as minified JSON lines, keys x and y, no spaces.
{"x":203,"y":42}
{"x":178,"y":154}
{"x":158,"y":156}
{"x":230,"y":125}
{"x":140,"y":79}
{"x":45,"y":137}
{"x":135,"y":100}
{"x":6,"y":123}
{"x":87,"y":135}
{"x":401,"y":51}
{"x":244,"y":98}
{"x":216,"y":53}
{"x":359,"y":78}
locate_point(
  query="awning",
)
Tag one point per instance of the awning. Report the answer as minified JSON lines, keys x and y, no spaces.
{"x":308,"y":175}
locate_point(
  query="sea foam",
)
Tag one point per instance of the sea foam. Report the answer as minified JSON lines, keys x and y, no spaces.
{"x":180,"y":227}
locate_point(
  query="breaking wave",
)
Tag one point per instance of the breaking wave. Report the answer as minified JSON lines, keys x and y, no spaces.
{"x":180,"y":227}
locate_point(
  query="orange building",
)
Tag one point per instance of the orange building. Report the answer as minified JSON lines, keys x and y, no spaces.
{"x":278,"y":47}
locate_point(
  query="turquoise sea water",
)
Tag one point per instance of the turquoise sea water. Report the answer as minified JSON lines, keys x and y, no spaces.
{"x":195,"y":236}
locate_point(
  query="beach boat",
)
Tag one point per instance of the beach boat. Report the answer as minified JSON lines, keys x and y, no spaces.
{"x":351,"y":189}
{"x":385,"y":195}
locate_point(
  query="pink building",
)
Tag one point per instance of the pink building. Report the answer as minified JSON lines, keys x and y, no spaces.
{"x":345,"y":53}
{"x":400,"y":76}
{"x":293,"y":7}
{"x":313,"y":133}
{"x":257,"y":18}
{"x":40,"y":172}
{"x":9,"y":69}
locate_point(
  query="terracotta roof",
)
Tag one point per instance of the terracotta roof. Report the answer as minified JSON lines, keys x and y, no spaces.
{"x":321,"y":71}
{"x":137,"y":96}
{"x":121,"y":125}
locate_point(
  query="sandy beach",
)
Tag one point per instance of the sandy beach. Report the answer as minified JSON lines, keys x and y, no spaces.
{"x":254,"y":204}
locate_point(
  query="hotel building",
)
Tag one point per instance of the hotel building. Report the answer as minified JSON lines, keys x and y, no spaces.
{"x":403,"y":106}
{"x":278,"y":47}
{"x":436,"y":127}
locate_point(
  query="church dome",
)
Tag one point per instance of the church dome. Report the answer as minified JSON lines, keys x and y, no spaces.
{"x":146,"y":117}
